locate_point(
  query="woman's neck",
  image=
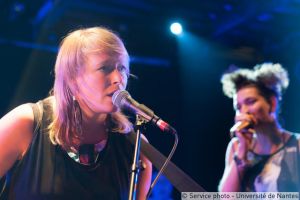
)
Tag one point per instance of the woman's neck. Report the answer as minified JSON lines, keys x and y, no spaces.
{"x":269,"y":139}
{"x":94,"y":129}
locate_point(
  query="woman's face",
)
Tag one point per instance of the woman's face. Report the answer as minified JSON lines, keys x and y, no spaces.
{"x":248,"y":100}
{"x":101,"y":76}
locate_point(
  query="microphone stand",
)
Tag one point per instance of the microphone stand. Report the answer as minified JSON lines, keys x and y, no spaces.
{"x":136,"y":164}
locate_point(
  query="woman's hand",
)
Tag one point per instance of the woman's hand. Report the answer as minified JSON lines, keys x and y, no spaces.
{"x":245,"y":136}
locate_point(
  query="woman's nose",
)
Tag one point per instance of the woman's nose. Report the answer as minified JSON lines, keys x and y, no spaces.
{"x":116,"y":77}
{"x":244,"y":109}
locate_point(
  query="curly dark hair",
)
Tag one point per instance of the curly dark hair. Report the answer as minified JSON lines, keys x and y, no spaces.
{"x":270,"y":79}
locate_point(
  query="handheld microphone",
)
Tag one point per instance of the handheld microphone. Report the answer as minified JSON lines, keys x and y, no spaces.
{"x":122,"y":99}
{"x":240,"y":125}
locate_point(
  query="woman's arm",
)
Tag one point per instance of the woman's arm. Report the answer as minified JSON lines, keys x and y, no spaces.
{"x":233,"y":173}
{"x":16,"y":130}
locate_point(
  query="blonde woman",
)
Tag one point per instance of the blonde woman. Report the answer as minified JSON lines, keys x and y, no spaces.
{"x":78,"y":149}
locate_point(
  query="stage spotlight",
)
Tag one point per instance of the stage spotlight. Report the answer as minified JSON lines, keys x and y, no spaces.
{"x":176,"y":28}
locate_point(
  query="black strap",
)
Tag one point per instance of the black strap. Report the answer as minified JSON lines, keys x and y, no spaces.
{"x":180,"y":180}
{"x":37,"y":113}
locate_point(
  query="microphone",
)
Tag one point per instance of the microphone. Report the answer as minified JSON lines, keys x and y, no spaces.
{"x":240,"y":125}
{"x":122,"y":99}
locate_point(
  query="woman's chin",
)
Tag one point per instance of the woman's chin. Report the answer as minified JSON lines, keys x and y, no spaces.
{"x":115,"y":109}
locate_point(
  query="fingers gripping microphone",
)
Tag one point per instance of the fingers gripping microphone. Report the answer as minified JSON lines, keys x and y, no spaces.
{"x":240,"y":125}
{"x":122,"y":99}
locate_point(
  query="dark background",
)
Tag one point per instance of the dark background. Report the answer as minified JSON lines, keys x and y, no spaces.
{"x":178,"y":77}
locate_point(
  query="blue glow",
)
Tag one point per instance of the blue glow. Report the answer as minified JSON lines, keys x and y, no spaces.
{"x":44,"y":10}
{"x":18,"y":7}
{"x":151,"y":61}
{"x":264,"y":17}
{"x":228,"y":7}
{"x":162,"y":190}
{"x":176,"y":28}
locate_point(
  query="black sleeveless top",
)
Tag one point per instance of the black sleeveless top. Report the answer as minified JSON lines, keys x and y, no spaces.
{"x":48,"y":172}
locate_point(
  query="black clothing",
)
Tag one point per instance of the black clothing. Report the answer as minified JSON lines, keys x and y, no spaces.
{"x":48,"y":172}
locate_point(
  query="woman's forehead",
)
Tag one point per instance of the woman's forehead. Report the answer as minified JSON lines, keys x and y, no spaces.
{"x":248,"y":90}
{"x":245,"y":92}
{"x":104,"y":58}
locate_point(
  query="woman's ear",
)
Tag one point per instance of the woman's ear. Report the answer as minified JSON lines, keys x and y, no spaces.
{"x":273,"y":104}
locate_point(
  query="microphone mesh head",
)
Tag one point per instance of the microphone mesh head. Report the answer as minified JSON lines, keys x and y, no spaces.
{"x":118,"y":96}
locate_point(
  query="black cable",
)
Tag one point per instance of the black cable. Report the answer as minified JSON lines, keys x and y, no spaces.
{"x":165,"y":163}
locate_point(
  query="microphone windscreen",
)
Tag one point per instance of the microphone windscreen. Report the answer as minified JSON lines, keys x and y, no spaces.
{"x":118,"y":96}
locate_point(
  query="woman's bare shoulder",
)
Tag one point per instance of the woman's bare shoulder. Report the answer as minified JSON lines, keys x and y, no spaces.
{"x":16,"y":131}
{"x":21,"y":116}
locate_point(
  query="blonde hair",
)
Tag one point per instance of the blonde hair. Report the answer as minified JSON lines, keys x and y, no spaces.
{"x":70,"y":60}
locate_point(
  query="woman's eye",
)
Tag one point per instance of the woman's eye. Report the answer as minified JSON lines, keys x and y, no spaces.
{"x":250,"y":101}
{"x":122,"y":68}
{"x":104,"y":69}
{"x":108,"y":69}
